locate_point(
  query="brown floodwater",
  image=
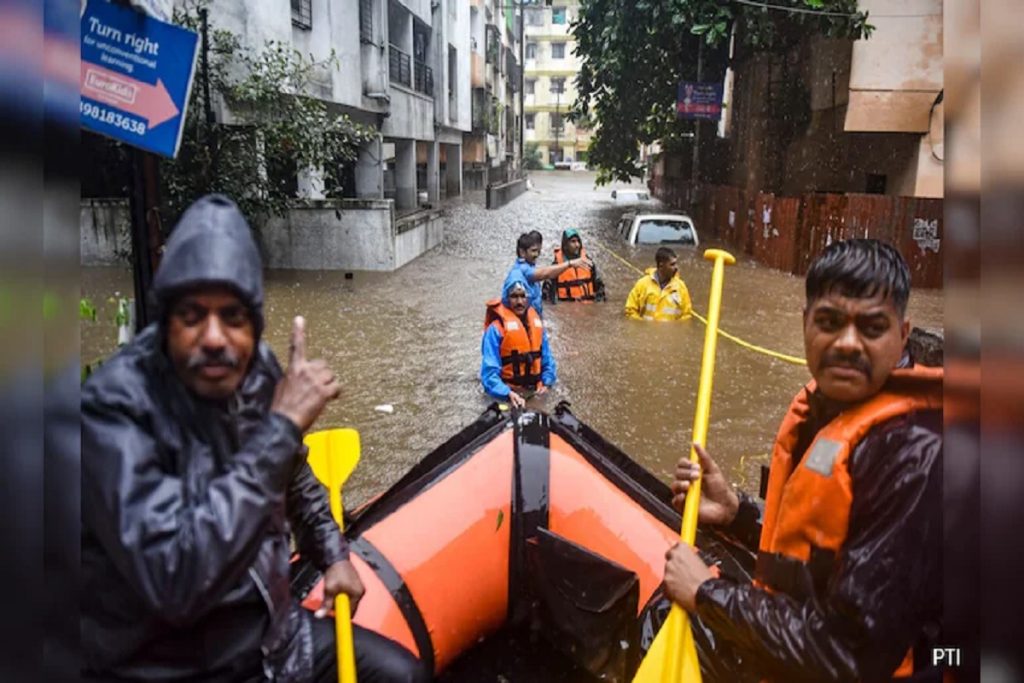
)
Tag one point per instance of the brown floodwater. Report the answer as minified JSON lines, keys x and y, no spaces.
{"x":411,"y":339}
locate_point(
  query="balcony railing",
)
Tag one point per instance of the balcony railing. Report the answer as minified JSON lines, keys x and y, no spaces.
{"x":424,"y":78}
{"x":399,"y":66}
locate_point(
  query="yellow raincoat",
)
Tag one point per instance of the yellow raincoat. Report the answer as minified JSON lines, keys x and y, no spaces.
{"x":648,"y":301}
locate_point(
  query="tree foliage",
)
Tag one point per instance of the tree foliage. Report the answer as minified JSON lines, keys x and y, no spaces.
{"x":277,"y":127}
{"x":634,"y":53}
{"x":532,"y":158}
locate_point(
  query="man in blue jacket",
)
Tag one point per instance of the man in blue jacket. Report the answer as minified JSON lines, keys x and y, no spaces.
{"x":517,"y":362}
{"x":528,"y":251}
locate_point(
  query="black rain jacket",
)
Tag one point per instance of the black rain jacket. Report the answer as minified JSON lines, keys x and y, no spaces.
{"x":188,"y":506}
{"x":883,"y":593}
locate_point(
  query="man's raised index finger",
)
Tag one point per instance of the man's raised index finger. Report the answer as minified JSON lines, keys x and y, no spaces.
{"x":298,"y":341}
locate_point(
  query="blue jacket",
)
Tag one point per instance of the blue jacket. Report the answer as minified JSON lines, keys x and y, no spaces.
{"x":490,"y":349}
{"x":534,"y":290}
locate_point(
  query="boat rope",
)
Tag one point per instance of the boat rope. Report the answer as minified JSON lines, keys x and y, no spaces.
{"x":796,"y":360}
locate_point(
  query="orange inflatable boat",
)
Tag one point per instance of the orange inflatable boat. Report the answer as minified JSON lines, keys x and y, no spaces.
{"x":528,"y":529}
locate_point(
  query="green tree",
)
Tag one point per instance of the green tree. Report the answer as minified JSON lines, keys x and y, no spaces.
{"x":635,"y":52}
{"x":532,"y":156}
{"x":277,"y":128}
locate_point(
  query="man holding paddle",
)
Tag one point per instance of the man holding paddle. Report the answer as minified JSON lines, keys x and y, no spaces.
{"x":194,"y":479}
{"x":848,"y":581}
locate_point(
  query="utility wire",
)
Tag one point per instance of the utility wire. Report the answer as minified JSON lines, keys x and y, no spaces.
{"x":795,"y":360}
{"x":826,"y":13}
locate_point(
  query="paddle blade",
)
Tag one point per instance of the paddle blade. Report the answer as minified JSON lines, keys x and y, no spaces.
{"x":654,"y":667}
{"x":333,"y":452}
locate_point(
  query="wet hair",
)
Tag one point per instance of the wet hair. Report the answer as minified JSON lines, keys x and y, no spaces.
{"x":527,"y":240}
{"x":861,"y":269}
{"x":663,"y":254}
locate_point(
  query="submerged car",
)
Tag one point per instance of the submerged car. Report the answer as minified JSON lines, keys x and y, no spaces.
{"x":658,"y":228}
{"x":628,"y":195}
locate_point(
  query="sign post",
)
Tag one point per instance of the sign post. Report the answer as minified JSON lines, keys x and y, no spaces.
{"x":136,"y":77}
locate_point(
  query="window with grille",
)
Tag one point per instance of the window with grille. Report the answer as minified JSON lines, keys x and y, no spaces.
{"x":557,"y":50}
{"x":531,"y":50}
{"x":366,"y":21}
{"x":557,"y":15}
{"x":530,"y":84}
{"x":302,"y":13}
{"x":557,"y":85}
{"x":534,"y":16}
{"x":530,"y":118}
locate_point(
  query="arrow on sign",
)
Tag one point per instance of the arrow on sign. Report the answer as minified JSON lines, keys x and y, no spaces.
{"x":151,"y":102}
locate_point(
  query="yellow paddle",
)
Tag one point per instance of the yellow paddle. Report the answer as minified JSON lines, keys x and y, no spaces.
{"x":672,"y":657}
{"x":333,"y":454}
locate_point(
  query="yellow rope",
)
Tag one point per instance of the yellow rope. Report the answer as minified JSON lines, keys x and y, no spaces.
{"x":796,"y":360}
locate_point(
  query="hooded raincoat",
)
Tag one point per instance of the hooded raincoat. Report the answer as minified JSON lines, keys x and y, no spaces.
{"x":188,"y":505}
{"x":648,"y":300}
{"x":525,"y":270}
{"x":490,"y":349}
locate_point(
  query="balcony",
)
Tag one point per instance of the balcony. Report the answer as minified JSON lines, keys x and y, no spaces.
{"x":479,"y":107}
{"x":399,"y":66}
{"x":424,"y":78}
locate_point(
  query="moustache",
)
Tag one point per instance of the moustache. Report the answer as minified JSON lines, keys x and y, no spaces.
{"x":859,"y":363}
{"x":202,"y":359}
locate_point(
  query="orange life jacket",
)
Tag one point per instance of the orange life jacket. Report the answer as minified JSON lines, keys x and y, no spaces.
{"x":807,"y":508}
{"x":520,"y":345}
{"x":575,"y":283}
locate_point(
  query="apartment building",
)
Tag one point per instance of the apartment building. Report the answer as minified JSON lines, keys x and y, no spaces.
{"x":491,"y":151}
{"x":549,"y":92}
{"x":404,"y":69}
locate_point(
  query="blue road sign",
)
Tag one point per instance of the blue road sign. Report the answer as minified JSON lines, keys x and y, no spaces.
{"x":136,"y":76}
{"x":699,"y":101}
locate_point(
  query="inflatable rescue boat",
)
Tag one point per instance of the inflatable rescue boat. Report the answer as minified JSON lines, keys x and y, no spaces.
{"x":526,"y":532}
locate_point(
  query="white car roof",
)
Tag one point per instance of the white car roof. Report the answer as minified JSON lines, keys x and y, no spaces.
{"x":664,"y":216}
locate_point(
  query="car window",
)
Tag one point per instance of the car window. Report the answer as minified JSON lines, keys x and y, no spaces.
{"x":658,"y":231}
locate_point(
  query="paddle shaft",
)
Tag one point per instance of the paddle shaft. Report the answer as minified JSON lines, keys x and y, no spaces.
{"x":346,"y":655}
{"x":681,"y":653}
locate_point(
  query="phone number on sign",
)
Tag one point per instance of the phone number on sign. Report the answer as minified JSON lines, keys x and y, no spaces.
{"x":104,"y":115}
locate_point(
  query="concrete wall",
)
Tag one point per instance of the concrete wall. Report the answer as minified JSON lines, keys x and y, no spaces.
{"x":412,"y":115}
{"x":354,"y":234}
{"x":417,"y":234}
{"x":897,"y":72}
{"x":105,"y":229}
{"x":500,"y":195}
{"x":348,"y":234}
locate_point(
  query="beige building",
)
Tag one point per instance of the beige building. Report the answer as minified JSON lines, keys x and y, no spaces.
{"x":549,"y":93}
{"x":895,"y":81}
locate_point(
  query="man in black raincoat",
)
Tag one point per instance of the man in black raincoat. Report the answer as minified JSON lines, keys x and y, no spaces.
{"x":194,"y":478}
{"x":849,"y":569}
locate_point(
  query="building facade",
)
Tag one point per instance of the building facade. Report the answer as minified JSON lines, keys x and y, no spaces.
{"x":491,"y":150}
{"x":402,"y":67}
{"x":549,"y":93}
{"x":830,"y":115}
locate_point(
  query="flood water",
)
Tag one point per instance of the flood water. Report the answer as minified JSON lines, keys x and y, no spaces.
{"x":411,"y":339}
